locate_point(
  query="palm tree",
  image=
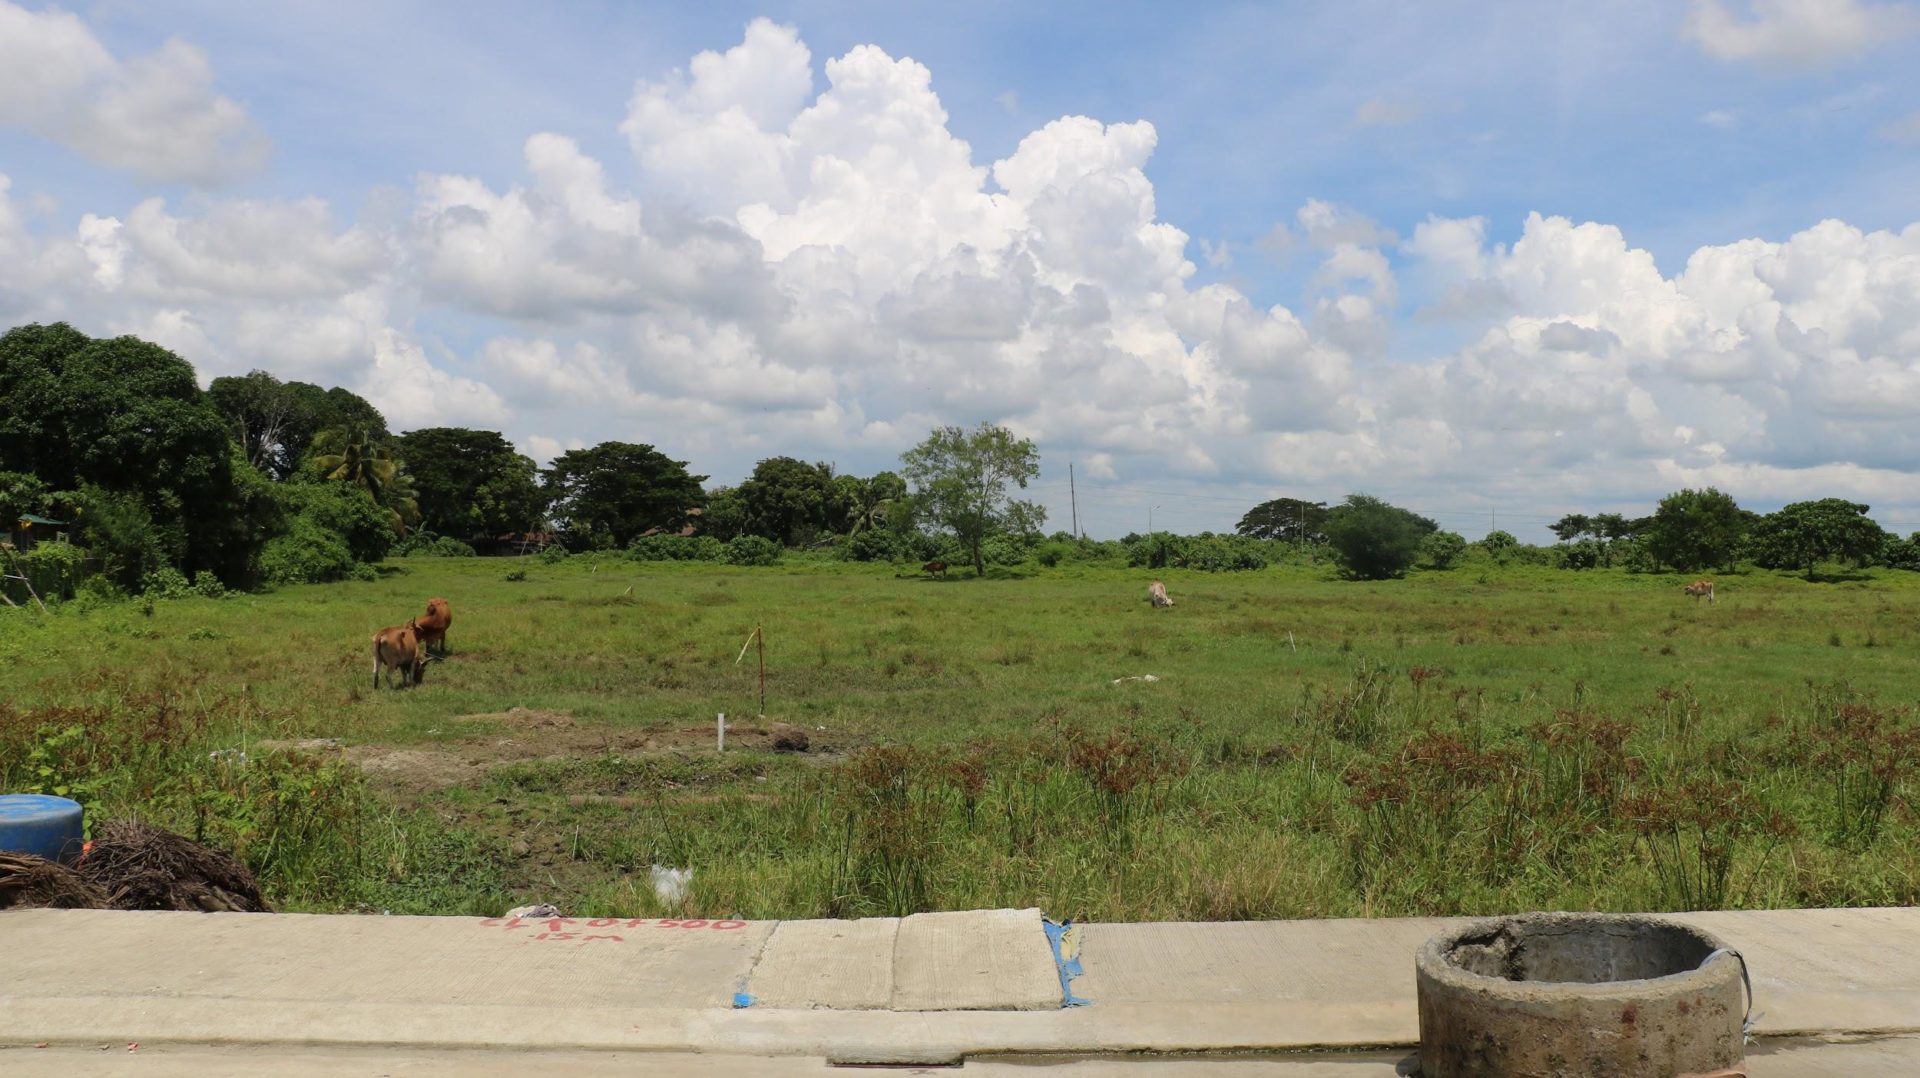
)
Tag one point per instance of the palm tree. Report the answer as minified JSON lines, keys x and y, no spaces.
{"x":352,"y":456}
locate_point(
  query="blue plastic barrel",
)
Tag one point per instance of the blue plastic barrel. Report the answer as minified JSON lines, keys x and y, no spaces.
{"x":48,"y":827}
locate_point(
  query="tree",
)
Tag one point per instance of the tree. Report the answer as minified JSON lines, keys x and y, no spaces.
{"x":1571,"y":527}
{"x":125,"y":417}
{"x":1373,"y":540}
{"x":355,"y":457}
{"x":471,"y":484}
{"x":1289,"y":520}
{"x":1694,"y":529}
{"x":275,"y":422}
{"x":787,"y":500}
{"x":608,"y":495}
{"x":1499,"y":543}
{"x":1804,"y":534}
{"x":960,"y":480}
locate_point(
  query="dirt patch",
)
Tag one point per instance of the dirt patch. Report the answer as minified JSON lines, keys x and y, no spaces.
{"x":532,"y":734}
{"x":415,"y":770}
{"x":525,"y":718}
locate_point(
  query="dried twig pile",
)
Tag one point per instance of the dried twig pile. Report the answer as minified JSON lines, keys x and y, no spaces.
{"x":31,"y":882}
{"x":141,"y":867}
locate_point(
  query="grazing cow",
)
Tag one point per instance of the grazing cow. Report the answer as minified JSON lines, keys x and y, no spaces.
{"x":933,"y":568}
{"x":397,"y":647}
{"x":433,"y":625}
{"x":1157,"y":594}
{"x":1699,"y":588}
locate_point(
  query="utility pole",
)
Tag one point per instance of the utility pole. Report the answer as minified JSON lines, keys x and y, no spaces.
{"x":1073,"y":497}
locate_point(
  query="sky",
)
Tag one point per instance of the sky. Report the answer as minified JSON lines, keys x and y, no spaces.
{"x":1495,"y":262}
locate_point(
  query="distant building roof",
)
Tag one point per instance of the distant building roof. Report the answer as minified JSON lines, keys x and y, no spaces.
{"x":30,"y":518}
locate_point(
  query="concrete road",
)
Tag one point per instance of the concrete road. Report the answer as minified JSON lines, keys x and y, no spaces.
{"x":415,"y":993}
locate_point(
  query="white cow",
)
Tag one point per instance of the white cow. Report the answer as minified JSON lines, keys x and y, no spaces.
{"x":1157,"y":594}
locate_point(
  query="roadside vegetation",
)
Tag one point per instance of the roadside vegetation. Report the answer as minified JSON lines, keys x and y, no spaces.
{"x":1491,"y":737}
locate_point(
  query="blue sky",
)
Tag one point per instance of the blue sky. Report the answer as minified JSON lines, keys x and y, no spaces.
{"x":1418,"y":370}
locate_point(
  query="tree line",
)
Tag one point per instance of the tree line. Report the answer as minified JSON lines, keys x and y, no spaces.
{"x":163,"y":486}
{"x":1689,"y":531}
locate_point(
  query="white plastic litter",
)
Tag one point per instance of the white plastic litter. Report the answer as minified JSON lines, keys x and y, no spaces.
{"x":544,"y":909}
{"x":670,"y":884}
{"x":1136,"y":677}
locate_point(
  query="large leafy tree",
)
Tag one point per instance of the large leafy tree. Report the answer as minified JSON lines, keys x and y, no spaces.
{"x":1373,"y":540}
{"x":960,"y":479}
{"x":1289,"y":520}
{"x":276,"y":422}
{"x":788,"y":500}
{"x":471,"y":484}
{"x":124,"y":418}
{"x":1803,"y":534}
{"x":608,"y":495}
{"x":1694,"y":529}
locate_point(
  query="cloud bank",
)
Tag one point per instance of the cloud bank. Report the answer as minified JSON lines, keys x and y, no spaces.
{"x":809,"y":261}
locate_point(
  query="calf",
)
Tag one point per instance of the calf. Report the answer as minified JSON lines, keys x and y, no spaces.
{"x":933,"y":568}
{"x":397,"y":647}
{"x":1157,"y":594}
{"x":432,"y":625}
{"x":1700,"y":588}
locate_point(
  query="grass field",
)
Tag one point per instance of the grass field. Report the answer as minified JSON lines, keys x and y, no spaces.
{"x":1471,"y":741}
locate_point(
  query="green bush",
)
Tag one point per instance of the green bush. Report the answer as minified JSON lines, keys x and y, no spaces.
{"x":676,"y":548}
{"x":752,"y":550}
{"x":1585,"y":554}
{"x":879,"y":544}
{"x":166,"y":582}
{"x":208,"y":586}
{"x":308,"y":554}
{"x":1443,"y":549}
{"x":1206,"y":552}
{"x":554,"y":554}
{"x":358,"y":523}
{"x":54,"y":569}
{"x":423,"y":543}
{"x":1374,"y":540}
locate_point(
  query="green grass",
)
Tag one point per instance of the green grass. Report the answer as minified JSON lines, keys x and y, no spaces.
{"x":1471,"y":741}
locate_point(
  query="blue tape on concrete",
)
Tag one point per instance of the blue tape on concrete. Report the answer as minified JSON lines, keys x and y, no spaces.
{"x":1069,"y":967}
{"x":49,"y":827}
{"x":742,"y":999}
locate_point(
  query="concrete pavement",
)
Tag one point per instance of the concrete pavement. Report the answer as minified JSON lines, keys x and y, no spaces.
{"x":933,"y":988}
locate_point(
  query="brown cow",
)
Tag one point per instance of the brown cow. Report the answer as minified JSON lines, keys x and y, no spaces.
{"x":1157,"y":594}
{"x":433,"y":625}
{"x":934,"y":567}
{"x":397,"y":647}
{"x":1699,"y":588}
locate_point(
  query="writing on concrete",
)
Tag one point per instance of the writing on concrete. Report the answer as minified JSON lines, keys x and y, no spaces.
{"x":577,"y":929}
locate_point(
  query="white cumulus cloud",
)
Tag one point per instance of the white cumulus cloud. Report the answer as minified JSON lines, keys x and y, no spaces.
{"x":155,"y":115}
{"x":1796,"y":34}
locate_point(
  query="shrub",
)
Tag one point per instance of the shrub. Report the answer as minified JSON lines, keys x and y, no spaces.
{"x":166,"y":582}
{"x":308,"y":554}
{"x":752,"y":550}
{"x":1443,"y":549}
{"x":54,"y":570}
{"x":1585,"y":554}
{"x":425,"y":543}
{"x":676,"y":548}
{"x":357,"y":522}
{"x":878,"y":544}
{"x":208,"y":586}
{"x":554,"y":554}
